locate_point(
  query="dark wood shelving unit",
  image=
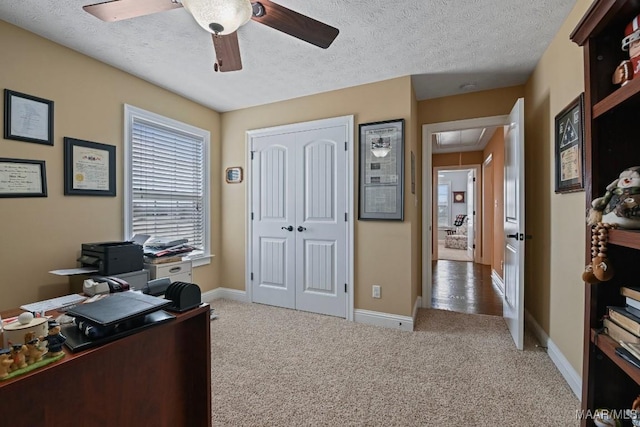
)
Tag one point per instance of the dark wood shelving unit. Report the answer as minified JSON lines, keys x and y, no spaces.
{"x":611,"y":112}
{"x":608,"y":347}
{"x":626,"y":238}
{"x":628,"y":91}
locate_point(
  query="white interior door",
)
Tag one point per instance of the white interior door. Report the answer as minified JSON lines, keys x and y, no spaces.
{"x":274,"y":211}
{"x":513,"y":304}
{"x":320,"y":222}
{"x":471,"y":213}
{"x":299,"y":228}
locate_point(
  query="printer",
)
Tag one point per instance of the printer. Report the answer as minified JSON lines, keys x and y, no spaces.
{"x":112,"y":257}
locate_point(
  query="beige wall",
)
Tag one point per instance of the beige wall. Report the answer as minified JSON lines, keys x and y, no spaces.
{"x":555,"y":256}
{"x":495,"y":148}
{"x":383,"y":249}
{"x":43,"y":234}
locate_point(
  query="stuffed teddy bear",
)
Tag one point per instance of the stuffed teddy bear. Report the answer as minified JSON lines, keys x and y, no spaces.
{"x":619,"y":207}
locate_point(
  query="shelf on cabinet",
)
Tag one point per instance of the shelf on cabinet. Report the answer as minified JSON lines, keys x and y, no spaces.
{"x":626,"y":238}
{"x":608,"y":347}
{"x":616,"y":98}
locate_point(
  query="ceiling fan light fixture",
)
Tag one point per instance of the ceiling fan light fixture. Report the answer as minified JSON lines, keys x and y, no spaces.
{"x":219,"y":16}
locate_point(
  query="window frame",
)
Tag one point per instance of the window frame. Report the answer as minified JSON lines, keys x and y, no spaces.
{"x":132,"y":114}
{"x":448,"y":195}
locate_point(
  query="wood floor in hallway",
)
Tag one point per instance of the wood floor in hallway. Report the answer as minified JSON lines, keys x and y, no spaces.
{"x":465,"y":287}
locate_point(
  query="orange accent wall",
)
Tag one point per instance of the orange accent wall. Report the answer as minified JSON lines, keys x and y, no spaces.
{"x":458,"y":159}
{"x":495,"y":147}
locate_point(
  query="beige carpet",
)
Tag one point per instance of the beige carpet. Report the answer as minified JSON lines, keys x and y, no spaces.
{"x":452,"y":254}
{"x":279,"y":367}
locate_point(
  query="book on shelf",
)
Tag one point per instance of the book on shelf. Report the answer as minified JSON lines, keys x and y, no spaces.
{"x":633,"y":310}
{"x":618,"y":333}
{"x":633,"y":303}
{"x":630,"y":292}
{"x":625,"y":319}
{"x":632,"y":348}
{"x":626,"y":355}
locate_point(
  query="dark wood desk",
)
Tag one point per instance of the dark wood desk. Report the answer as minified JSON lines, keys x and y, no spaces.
{"x":160,"y":376}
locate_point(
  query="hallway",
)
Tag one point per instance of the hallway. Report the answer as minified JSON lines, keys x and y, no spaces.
{"x":465,"y":287}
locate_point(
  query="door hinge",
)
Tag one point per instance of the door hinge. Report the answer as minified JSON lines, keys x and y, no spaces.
{"x":473,"y":246}
{"x":345,"y":146}
{"x":252,"y":216}
{"x":474,"y":179}
{"x":345,"y":288}
{"x":251,"y":276}
{"x":346,"y":217}
{"x":252,"y":155}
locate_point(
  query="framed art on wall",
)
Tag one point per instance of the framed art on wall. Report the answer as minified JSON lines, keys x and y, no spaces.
{"x":569,"y":147}
{"x":458,"y":197}
{"x":28,"y":118}
{"x":381,"y":170}
{"x":23,"y":178}
{"x":89,"y":168}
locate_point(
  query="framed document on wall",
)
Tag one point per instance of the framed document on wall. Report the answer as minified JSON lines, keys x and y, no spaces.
{"x":381,"y":170}
{"x":569,"y":141}
{"x":89,"y":168}
{"x":22,"y":178}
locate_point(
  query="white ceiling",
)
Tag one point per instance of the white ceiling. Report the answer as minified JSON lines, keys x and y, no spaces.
{"x":442,"y":44}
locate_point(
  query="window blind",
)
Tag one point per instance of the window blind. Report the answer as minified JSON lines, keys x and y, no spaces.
{"x":167,"y":182}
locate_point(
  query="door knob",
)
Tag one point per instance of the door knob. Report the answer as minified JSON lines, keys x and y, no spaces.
{"x":513,"y":236}
{"x":301,"y":228}
{"x":289,"y":228}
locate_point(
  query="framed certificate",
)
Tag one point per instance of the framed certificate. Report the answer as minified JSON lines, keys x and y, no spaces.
{"x":28,"y":118}
{"x":22,"y":178}
{"x":89,"y":168}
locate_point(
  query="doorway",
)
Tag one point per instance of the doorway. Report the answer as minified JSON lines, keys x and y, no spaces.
{"x":430,"y":236}
{"x":456,"y":214}
{"x":300,"y":230}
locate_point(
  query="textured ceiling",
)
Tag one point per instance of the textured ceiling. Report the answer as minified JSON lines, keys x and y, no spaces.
{"x":442,"y":44}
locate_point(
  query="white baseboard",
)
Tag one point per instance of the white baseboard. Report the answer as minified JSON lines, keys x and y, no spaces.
{"x":416,"y":306}
{"x":376,"y":318}
{"x":497,"y":280}
{"x":570,"y":375}
{"x":226,"y":293}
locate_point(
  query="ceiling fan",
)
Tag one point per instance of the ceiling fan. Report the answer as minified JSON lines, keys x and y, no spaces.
{"x":222,"y":18}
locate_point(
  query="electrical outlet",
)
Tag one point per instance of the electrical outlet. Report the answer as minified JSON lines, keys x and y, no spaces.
{"x":376,"y":291}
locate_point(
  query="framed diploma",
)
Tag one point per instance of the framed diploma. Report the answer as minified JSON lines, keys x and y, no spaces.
{"x":27,"y":118}
{"x":22,"y":178}
{"x":381,"y":170}
{"x":569,"y":136}
{"x":89,"y":168}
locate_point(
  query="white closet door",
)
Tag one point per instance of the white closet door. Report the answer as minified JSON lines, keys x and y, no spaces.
{"x":274,"y":206}
{"x":321,"y":258}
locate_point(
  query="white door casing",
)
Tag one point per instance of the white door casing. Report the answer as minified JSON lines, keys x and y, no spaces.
{"x":471,"y":214}
{"x":513,"y":303}
{"x":301,"y":250}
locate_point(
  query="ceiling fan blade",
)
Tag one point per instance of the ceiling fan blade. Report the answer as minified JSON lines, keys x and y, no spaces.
{"x":118,"y":10}
{"x":227,"y":52}
{"x":293,"y":23}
